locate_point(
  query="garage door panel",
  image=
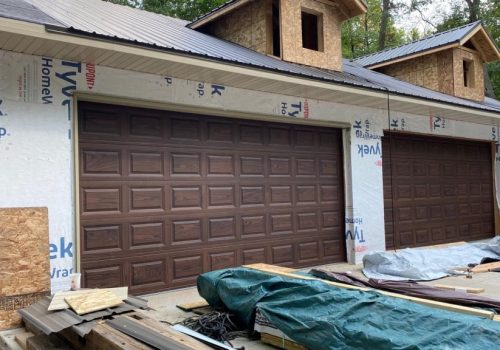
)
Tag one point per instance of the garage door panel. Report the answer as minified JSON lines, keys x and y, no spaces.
{"x":434,"y":191}
{"x":166,"y":196}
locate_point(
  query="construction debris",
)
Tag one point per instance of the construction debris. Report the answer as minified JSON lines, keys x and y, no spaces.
{"x":93,"y":301}
{"x":491,"y":267}
{"x":58,"y":302}
{"x":306,"y":308}
{"x":459,"y":289}
{"x":193,"y":305}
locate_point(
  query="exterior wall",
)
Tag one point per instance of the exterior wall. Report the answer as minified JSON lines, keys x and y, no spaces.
{"x":476,"y":92}
{"x":434,"y":71}
{"x":37,"y":140}
{"x":248,"y":26}
{"x":291,"y":34}
{"x":442,"y":71}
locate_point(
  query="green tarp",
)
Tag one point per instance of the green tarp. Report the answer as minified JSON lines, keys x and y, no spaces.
{"x":321,"y":316}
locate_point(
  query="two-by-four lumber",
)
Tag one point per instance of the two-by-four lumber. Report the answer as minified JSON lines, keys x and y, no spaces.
{"x":437,"y":304}
{"x":104,"y":337}
{"x":280,"y":342}
{"x":486,"y":267}
{"x":459,"y":289}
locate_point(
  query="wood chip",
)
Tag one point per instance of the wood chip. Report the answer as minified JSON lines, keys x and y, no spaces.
{"x":459,"y":288}
{"x":94,"y":301}
{"x":193,"y":305}
{"x":58,"y":302}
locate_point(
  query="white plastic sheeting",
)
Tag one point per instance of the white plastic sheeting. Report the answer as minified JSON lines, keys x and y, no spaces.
{"x":419,"y":264}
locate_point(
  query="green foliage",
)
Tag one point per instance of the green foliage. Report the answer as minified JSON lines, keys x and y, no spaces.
{"x":360,"y":35}
{"x":184,"y":9}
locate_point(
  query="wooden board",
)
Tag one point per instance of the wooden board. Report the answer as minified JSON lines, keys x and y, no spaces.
{"x":486,"y":267}
{"x":280,"y":342}
{"x":193,"y":305}
{"x":24,"y":261}
{"x":47,"y":342}
{"x":437,"y":304}
{"x":58,"y":302}
{"x":459,"y":289}
{"x":167,"y":331}
{"x":96,"y":300}
{"x":22,"y":339}
{"x":104,"y":337}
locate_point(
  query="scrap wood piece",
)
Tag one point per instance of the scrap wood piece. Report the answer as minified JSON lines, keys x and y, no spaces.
{"x":93,"y":301}
{"x":459,"y":289}
{"x":150,"y":336}
{"x":167,"y":331}
{"x":104,"y":337}
{"x":193,"y":305}
{"x":58,"y":302}
{"x":280,"y":342}
{"x":22,"y":339}
{"x":437,"y":304}
{"x":214,"y":343}
{"x":486,"y":267}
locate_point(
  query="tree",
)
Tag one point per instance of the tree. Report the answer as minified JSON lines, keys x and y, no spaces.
{"x":184,"y":9}
{"x":384,"y":22}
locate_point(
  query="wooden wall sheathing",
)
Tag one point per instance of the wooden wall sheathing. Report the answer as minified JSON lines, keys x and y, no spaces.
{"x":24,"y":261}
{"x":291,"y":34}
{"x":247,"y":26}
{"x":475,"y":93}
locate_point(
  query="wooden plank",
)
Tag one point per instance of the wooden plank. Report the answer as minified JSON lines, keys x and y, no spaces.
{"x":58,"y":302}
{"x":486,"y":267}
{"x":459,"y":288}
{"x":22,"y":339}
{"x":93,"y":301}
{"x":280,"y":342}
{"x":437,"y":304}
{"x":47,"y":342}
{"x":193,"y":305}
{"x":104,"y":337}
{"x":167,"y":331}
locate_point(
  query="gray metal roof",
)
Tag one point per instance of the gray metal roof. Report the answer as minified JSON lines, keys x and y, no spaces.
{"x":107,"y":20}
{"x":431,"y":42}
{"x":21,"y":10}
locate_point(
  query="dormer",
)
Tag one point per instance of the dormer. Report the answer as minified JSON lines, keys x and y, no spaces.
{"x":300,"y":31}
{"x":451,"y":62}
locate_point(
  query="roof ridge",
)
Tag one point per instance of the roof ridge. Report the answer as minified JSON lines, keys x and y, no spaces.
{"x":472,"y":24}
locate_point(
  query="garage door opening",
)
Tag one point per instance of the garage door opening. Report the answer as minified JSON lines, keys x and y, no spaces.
{"x":165,"y":196}
{"x":436,"y":190}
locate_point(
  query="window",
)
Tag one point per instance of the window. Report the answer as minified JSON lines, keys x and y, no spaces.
{"x":468,"y":71}
{"x":312,"y":31}
{"x":276,"y":51}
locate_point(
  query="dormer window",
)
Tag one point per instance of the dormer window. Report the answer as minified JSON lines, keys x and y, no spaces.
{"x":312,"y":30}
{"x":468,"y":71}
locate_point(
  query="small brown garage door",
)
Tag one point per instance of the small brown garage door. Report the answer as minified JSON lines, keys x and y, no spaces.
{"x":166,"y":196}
{"x":436,"y":190}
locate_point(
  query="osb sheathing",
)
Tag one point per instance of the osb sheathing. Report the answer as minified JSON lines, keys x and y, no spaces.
{"x":291,"y":34}
{"x":247,"y":26}
{"x":422,"y":71}
{"x":475,"y":92}
{"x":24,"y":260}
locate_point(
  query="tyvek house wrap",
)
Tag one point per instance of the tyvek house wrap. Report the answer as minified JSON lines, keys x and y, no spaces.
{"x":37,"y":140}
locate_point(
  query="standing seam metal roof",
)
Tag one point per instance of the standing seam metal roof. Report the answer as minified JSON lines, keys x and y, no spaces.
{"x":107,"y":20}
{"x":431,"y":42}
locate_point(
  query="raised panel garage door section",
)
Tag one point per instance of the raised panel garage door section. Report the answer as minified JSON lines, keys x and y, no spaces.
{"x":436,"y":190}
{"x":166,"y":196}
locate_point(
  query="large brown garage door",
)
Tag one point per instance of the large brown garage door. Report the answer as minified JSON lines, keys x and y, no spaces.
{"x":166,"y":196}
{"x":436,"y":190}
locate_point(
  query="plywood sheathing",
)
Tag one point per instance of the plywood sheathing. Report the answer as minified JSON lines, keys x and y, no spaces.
{"x":247,"y":26}
{"x":291,"y":34}
{"x":24,"y":261}
{"x":476,"y":92}
{"x":441,"y":71}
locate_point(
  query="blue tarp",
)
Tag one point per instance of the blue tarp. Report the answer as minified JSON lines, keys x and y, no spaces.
{"x":320,"y":316}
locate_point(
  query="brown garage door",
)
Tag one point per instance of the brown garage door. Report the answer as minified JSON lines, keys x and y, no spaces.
{"x":436,"y":190}
{"x":166,"y":196}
